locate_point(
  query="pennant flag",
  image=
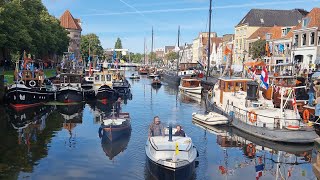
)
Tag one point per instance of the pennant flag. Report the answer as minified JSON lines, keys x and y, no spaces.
{"x":114,"y":55}
{"x":264,"y":78}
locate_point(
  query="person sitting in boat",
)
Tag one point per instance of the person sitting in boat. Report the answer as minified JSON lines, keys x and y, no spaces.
{"x":156,"y":128}
{"x":156,"y":79}
{"x":179,"y":132}
{"x":118,"y":106}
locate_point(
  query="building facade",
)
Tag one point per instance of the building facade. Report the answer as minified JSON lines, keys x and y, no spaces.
{"x":306,"y":41}
{"x":73,"y":26}
{"x":159,"y":53}
{"x":257,"y":18}
{"x":186,"y":54}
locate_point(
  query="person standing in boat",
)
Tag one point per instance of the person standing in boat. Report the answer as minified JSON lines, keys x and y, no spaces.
{"x":118,"y":106}
{"x":312,"y":91}
{"x":179,"y":132}
{"x":156,"y":128}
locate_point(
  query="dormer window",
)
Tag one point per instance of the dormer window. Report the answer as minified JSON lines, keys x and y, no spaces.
{"x":305,"y":22}
{"x":268,"y":36}
{"x":262,"y":21}
{"x":285,"y":31}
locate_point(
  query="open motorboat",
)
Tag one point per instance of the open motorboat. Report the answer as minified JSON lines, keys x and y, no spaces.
{"x":212,"y":118}
{"x":153,"y":75}
{"x":190,"y":85}
{"x":172,"y":153}
{"x":133,"y":76}
{"x":113,"y":127}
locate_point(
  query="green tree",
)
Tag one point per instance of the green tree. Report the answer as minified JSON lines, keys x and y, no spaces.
{"x":171,"y":56}
{"x":27,"y":25}
{"x":93,"y":41}
{"x":257,"y":49}
{"x":137,"y":58}
{"x":118,"y":45}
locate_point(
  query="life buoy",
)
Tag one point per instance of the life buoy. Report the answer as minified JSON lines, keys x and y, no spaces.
{"x":293,"y":127}
{"x":251,"y":150}
{"x":252,"y":117}
{"x":32,"y":83}
{"x":21,"y":82}
{"x":306,"y":116}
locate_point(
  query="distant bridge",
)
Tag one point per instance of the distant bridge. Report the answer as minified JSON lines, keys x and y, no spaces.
{"x":130,"y":64}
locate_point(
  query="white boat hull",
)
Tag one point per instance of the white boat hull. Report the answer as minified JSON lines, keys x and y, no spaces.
{"x":164,"y":153}
{"x":194,"y":90}
{"x":210,"y":119}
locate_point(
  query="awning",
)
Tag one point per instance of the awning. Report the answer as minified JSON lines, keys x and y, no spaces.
{"x":255,"y":63}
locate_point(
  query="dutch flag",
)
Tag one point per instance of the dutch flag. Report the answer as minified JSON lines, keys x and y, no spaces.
{"x":264,"y":78}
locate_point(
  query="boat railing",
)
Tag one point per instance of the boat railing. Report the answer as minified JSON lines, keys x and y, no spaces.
{"x":252,"y":118}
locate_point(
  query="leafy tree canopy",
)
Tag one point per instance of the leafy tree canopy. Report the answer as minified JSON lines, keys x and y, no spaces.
{"x":257,"y":49}
{"x":93,"y":41}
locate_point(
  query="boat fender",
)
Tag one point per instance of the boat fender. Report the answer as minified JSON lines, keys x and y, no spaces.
{"x":32,"y":83}
{"x":306,"y":116}
{"x":252,"y":117}
{"x":251,"y":150}
{"x":21,"y":82}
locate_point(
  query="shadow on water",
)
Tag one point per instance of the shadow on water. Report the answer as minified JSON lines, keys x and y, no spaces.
{"x":113,"y":148}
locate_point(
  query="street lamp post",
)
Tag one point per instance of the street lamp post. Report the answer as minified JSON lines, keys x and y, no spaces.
{"x":293,"y":58}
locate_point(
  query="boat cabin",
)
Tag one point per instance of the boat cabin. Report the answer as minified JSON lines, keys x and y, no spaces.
{"x":190,"y":83}
{"x":74,"y":79}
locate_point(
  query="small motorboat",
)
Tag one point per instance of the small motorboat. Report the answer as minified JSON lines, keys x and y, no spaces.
{"x":133,"y":76}
{"x":156,"y":82}
{"x":171,"y":153}
{"x":153,"y":75}
{"x":211,"y":118}
{"x":115,"y":127}
{"x":190,"y":85}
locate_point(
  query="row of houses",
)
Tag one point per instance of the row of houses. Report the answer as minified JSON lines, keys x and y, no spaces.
{"x":292,"y":36}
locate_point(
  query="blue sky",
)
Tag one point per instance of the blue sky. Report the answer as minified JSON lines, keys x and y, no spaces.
{"x":131,"y":20}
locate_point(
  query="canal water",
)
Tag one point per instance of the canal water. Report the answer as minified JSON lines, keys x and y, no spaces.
{"x":62,"y":142}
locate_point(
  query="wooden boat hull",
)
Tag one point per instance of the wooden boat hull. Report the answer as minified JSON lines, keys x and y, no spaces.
{"x":21,"y":97}
{"x":113,"y":133}
{"x":301,"y":136}
{"x":69,"y":96}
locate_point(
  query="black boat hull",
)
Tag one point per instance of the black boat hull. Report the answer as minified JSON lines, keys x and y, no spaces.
{"x":171,"y":79}
{"x":106,"y":93}
{"x":69,"y":96}
{"x":20,"y":97}
{"x":164,"y":173}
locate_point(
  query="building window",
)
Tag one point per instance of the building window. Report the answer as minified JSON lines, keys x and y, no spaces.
{"x":268,"y":36}
{"x":304,"y":39}
{"x":296,"y":37}
{"x":319,"y":40}
{"x":305,"y":22}
{"x":312,"y":38}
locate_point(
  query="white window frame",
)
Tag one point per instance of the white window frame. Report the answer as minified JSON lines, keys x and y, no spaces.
{"x":318,"y":39}
{"x":314,"y":34}
{"x":302,"y":39}
{"x":296,"y":40}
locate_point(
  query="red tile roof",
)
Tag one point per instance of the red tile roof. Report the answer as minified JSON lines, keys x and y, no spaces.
{"x":314,"y":16}
{"x":67,"y":21}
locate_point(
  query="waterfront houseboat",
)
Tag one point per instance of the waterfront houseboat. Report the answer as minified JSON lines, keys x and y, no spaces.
{"x":120,"y":83}
{"x":70,"y":90}
{"x":30,"y":87}
{"x":242,"y":102}
{"x":190,"y":85}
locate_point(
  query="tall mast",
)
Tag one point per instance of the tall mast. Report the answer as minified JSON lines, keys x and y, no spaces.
{"x":208,"y":63}
{"x":178,"y":44}
{"x":144,"y":49}
{"x":151,"y":47}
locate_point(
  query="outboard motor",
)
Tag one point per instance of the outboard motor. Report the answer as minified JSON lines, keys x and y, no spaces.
{"x":252,"y":90}
{"x":170,"y":132}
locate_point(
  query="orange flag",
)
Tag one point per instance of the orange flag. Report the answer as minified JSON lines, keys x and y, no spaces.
{"x":267,"y":49}
{"x":227,"y":51}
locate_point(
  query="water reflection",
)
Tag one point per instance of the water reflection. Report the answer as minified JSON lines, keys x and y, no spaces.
{"x":113,"y":148}
{"x":266,"y":158}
